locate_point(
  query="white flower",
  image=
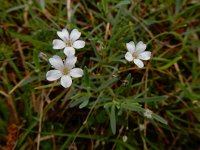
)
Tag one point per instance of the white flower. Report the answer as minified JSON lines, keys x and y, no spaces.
{"x":148,"y":113}
{"x":69,"y":42}
{"x":124,"y":138}
{"x":137,"y":53}
{"x":64,"y":70}
{"x":142,"y":127}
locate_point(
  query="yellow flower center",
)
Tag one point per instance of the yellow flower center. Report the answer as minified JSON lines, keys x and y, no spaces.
{"x":65,"y":71}
{"x":135,"y":55}
{"x":68,"y":43}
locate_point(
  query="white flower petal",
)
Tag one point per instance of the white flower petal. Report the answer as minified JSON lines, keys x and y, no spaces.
{"x":64,"y":34}
{"x":53,"y":75}
{"x":79,"y":44}
{"x":139,"y":63}
{"x":140,"y":47}
{"x":70,"y":62}
{"x":129,"y":56}
{"x":69,"y":51}
{"x":145,"y":55}
{"x":58,"y":44}
{"x":66,"y":81}
{"x":74,"y":35}
{"x":130,"y":46}
{"x":56,"y":62}
{"x":76,"y":72}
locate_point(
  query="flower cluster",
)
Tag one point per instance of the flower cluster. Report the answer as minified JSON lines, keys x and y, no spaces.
{"x":65,"y":69}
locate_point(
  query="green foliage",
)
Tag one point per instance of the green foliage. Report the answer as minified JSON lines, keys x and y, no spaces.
{"x":111,"y":99}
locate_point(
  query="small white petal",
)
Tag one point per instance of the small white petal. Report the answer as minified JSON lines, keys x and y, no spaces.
{"x":53,"y":75}
{"x":75,"y":34}
{"x":70,"y":62}
{"x":145,"y":55}
{"x":78,"y":44}
{"x":148,"y":113}
{"x":76,"y":72}
{"x":130,"y":46}
{"x":140,"y":47}
{"x":66,"y":81}
{"x":69,"y":51}
{"x":139,"y":63}
{"x":58,"y":44}
{"x":129,"y":56}
{"x":64,"y":34}
{"x":56,"y":62}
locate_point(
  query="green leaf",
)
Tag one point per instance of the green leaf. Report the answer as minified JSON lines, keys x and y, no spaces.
{"x":85,"y":102}
{"x":86,"y":78}
{"x":177,"y":6}
{"x":172,"y":62}
{"x":113,"y":119}
{"x":47,"y":86}
{"x":28,"y":80}
{"x":16,"y":8}
{"x":146,"y":100}
{"x":36,"y":60}
{"x":30,"y":39}
{"x":42,"y":3}
{"x":107,"y":105}
{"x":107,"y":83}
{"x":25,"y":134}
{"x":39,"y":4}
{"x":123,"y":2}
{"x":132,"y":107}
{"x":159,"y":118}
{"x":76,"y":102}
{"x":82,"y":99}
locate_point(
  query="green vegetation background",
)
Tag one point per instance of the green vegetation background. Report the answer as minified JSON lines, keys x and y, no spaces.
{"x":37,"y":114}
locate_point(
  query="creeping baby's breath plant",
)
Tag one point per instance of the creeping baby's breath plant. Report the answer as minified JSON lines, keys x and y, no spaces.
{"x":66,"y":70}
